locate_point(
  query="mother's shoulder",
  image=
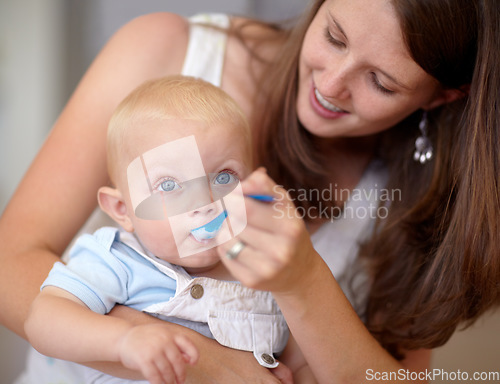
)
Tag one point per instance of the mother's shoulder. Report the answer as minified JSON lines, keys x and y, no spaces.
{"x":163,"y":23}
{"x":157,"y":40}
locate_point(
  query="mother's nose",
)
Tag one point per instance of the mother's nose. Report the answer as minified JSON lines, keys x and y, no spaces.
{"x":335,"y":81}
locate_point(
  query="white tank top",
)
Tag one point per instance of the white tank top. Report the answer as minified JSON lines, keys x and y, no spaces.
{"x":206,"y":48}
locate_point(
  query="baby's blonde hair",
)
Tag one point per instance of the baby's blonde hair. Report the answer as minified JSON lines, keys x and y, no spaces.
{"x":172,"y":97}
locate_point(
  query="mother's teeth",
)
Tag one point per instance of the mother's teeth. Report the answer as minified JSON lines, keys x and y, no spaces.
{"x":325,"y":103}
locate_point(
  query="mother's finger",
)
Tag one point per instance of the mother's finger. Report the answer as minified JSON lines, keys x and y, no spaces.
{"x":260,"y":244}
{"x":273,"y":216}
{"x":268,"y":215}
{"x":263,"y":257}
{"x":259,"y":183}
{"x":249,"y":274}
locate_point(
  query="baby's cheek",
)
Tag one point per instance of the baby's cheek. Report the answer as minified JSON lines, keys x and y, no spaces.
{"x":156,"y":236}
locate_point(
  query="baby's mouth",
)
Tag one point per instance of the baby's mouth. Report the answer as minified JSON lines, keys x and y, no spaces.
{"x":209,"y":230}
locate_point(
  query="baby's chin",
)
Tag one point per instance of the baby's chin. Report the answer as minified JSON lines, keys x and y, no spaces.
{"x":203,"y":259}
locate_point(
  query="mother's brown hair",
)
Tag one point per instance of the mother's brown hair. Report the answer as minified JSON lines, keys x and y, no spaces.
{"x":437,"y":257}
{"x":435,"y":260}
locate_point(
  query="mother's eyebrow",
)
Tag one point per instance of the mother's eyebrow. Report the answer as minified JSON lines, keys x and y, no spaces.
{"x":337,"y":24}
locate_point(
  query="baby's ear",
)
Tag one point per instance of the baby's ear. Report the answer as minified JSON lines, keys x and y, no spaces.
{"x":111,"y":201}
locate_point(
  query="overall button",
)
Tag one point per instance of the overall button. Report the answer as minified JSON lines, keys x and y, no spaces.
{"x":196,"y":291}
{"x":268,"y":359}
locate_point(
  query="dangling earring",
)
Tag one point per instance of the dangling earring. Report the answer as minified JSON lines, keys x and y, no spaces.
{"x":423,"y":145}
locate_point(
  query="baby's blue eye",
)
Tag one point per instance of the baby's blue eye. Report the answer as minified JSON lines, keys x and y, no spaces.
{"x":224,"y":178}
{"x":168,"y":186}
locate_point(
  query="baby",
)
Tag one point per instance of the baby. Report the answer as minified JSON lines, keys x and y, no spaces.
{"x":177,"y":150}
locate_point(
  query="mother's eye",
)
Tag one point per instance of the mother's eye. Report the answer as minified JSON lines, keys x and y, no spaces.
{"x":332,"y":40}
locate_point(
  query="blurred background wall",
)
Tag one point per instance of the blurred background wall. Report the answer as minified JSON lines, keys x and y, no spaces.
{"x":45,"y":47}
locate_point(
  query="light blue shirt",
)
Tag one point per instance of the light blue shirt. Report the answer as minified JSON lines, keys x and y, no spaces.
{"x":103,"y":272}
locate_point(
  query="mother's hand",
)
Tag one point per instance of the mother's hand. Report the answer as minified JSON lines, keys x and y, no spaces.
{"x":216,"y":365}
{"x":278,"y":249}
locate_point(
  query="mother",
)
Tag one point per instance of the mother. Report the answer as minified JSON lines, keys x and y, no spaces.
{"x":329,"y":100}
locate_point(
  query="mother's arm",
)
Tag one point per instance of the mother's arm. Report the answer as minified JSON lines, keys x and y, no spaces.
{"x":279,"y":257}
{"x":59,"y":191}
{"x":332,"y":338}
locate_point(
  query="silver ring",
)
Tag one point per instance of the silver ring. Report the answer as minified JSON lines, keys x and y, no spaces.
{"x":235,"y":250}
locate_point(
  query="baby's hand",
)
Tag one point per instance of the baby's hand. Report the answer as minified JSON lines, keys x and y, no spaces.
{"x":158,"y":353}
